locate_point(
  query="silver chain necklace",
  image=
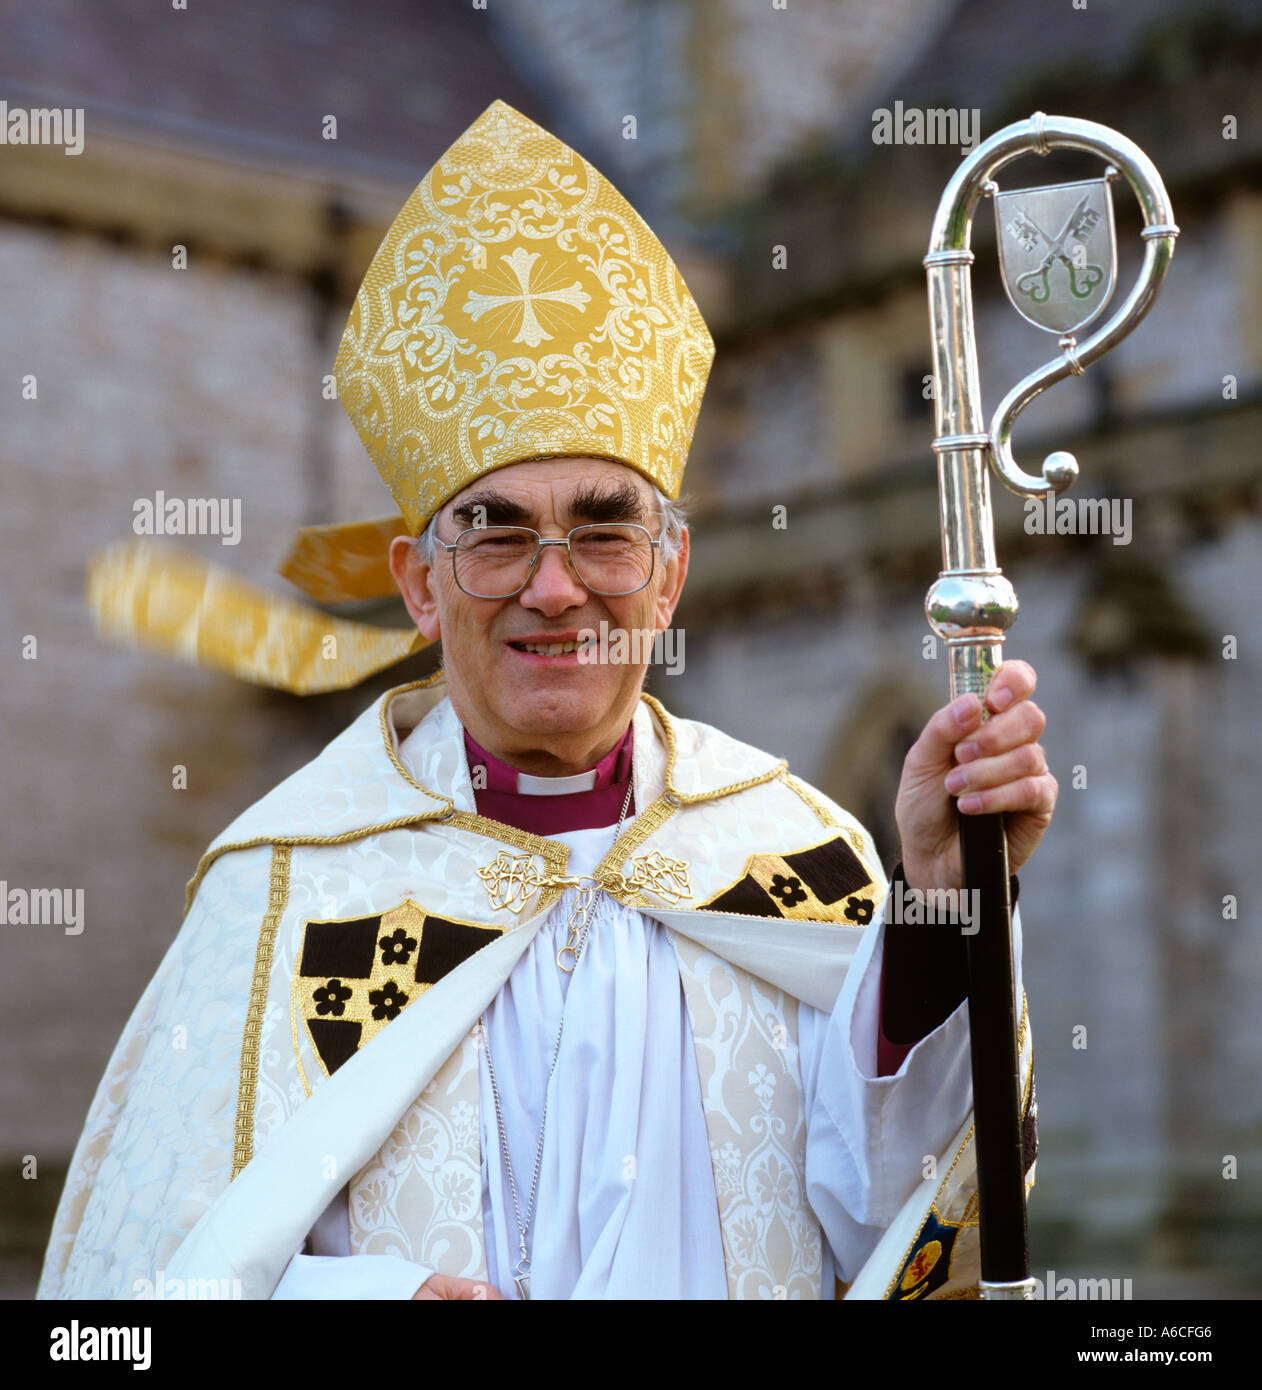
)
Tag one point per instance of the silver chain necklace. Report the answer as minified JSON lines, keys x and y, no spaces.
{"x":576,"y":936}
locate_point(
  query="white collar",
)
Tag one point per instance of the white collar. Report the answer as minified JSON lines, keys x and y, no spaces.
{"x":556,"y":786}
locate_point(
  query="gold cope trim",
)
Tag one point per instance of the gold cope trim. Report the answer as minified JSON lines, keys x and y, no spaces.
{"x":672,"y":752}
{"x":277,"y":899}
{"x":826,"y":817}
{"x":387,"y":733}
{"x":400,"y":823}
{"x":822,"y":813}
{"x":289,"y":841}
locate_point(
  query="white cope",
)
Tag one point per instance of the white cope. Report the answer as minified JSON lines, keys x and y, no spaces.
{"x":626,"y":1205}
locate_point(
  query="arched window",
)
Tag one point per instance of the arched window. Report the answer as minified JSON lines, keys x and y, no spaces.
{"x":865,"y":765}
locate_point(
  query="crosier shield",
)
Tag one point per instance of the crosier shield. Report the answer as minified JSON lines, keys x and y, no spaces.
{"x":1057,"y":252}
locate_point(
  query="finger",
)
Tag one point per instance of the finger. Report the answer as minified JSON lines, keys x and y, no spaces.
{"x":1028,"y":760}
{"x":1030,"y":794}
{"x":1001,"y":732}
{"x":473,"y":1290}
{"x":481,"y":1291}
{"x":946,"y":727}
{"x":1013,"y":681}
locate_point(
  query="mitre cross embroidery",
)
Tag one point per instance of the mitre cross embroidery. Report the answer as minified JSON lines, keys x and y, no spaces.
{"x":531,"y":332}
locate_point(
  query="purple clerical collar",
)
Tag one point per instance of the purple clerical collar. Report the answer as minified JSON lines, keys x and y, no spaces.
{"x":552,"y":805}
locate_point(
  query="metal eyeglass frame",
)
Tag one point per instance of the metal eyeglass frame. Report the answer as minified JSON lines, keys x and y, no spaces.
{"x":655,"y":544}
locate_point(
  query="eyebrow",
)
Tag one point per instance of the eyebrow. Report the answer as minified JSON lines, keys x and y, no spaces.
{"x":591,"y":502}
{"x":606,"y":502}
{"x":500,"y":509}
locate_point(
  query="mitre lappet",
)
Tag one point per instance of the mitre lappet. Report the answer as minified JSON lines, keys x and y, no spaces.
{"x":518,"y":308}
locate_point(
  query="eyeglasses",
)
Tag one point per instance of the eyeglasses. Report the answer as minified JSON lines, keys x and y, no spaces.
{"x":499,"y":561}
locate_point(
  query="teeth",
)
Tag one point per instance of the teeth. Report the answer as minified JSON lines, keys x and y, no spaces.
{"x":549,"y":649}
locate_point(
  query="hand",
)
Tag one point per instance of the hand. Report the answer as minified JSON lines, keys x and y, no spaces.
{"x":1003,"y":767}
{"x":449,"y":1286}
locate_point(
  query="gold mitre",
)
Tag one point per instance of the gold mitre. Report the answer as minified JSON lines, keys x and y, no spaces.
{"x":519,"y":307}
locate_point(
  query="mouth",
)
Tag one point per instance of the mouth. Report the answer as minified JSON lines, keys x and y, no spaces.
{"x":548,"y":649}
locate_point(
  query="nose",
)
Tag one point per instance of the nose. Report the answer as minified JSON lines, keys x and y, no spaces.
{"x":553,"y":586}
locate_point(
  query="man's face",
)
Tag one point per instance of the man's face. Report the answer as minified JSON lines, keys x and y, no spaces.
{"x":551,"y":714}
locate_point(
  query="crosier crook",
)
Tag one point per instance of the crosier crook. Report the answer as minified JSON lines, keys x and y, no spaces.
{"x":971,"y":605}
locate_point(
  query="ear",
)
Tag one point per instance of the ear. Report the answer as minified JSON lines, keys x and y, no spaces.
{"x":415,"y":580}
{"x":673,"y":585}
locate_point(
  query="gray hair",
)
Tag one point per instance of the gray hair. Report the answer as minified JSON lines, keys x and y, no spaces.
{"x":673,"y":517}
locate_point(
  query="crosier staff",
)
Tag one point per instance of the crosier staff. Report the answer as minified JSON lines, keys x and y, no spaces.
{"x":1058,"y":256}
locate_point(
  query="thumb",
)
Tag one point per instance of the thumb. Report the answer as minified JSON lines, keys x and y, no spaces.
{"x":933,"y":753}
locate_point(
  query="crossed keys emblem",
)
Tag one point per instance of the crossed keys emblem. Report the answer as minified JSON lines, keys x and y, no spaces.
{"x":1079,"y":226}
{"x":511,"y":880}
{"x":1050,"y":285}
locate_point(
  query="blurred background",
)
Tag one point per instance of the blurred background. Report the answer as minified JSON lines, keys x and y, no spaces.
{"x":209,"y":128}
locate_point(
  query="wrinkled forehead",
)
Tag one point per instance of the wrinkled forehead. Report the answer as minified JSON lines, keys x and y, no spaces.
{"x":564,"y":490}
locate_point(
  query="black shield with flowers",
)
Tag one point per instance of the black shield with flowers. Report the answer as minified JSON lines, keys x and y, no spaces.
{"x":820,"y":883}
{"x":354,"y":975}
